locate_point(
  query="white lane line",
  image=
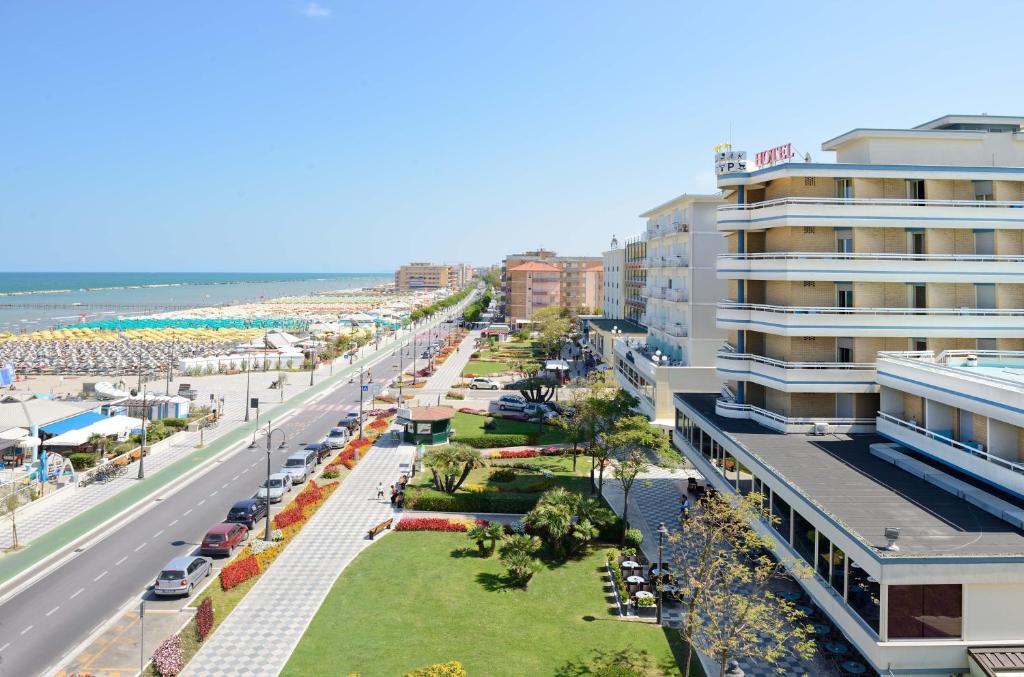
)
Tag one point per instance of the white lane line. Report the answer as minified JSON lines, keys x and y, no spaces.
{"x":187,"y":511}
{"x":120,"y":561}
{"x":246,"y":470}
{"x":52,"y":611}
{"x":157,"y":534}
{"x":140,"y":547}
{"x":225,"y":485}
{"x":77,"y":593}
{"x":214,"y":493}
{"x":254,"y":464}
{"x":233,"y":479}
{"x":99,"y":577}
{"x":4,"y":647}
{"x":27,"y":629}
{"x":201,"y":502}
{"x":173,"y":523}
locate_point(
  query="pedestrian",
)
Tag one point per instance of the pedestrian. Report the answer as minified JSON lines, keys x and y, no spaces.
{"x":394,"y":495}
{"x":684,"y":508}
{"x":380,"y":491}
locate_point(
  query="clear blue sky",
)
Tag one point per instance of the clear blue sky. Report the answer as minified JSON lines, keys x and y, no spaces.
{"x":353,"y":136}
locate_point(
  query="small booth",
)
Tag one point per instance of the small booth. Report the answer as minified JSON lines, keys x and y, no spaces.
{"x":426,"y":425}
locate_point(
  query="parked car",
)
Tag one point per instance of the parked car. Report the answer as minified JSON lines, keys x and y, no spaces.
{"x":275,"y":487}
{"x":300,"y":465}
{"x":484,"y":384}
{"x":248,"y":511}
{"x":351,"y":421}
{"x":223,"y":538}
{"x":322,"y":449}
{"x":511,"y":403}
{"x":539,"y":410}
{"x":337,"y":438}
{"x":181,"y":575}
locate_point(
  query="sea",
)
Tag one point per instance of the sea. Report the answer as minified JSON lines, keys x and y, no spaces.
{"x":31,"y":301}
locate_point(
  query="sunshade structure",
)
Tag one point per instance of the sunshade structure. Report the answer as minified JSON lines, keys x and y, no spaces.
{"x":110,"y":426}
{"x":82,"y":420}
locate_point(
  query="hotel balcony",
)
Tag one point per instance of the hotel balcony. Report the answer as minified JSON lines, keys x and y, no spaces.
{"x":653,"y":378}
{"x":656,"y":230}
{"x":870,"y":212}
{"x":676,"y":261}
{"x":815,"y":266}
{"x":727,"y":407}
{"x":793,"y":377}
{"x":855,"y":321}
{"x":667,"y":293}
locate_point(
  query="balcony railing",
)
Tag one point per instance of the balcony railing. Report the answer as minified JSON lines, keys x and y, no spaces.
{"x":675,"y":295}
{"x":926,"y":360}
{"x":881,"y":202}
{"x":961,"y":446}
{"x":725,"y":354}
{"x":655,"y":230}
{"x":841,"y":310}
{"x":641,"y":348}
{"x":866,"y":256}
{"x":723,"y":406}
{"x":674,"y":261}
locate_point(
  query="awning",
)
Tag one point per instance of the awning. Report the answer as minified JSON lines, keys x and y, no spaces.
{"x":13,"y":434}
{"x":73,"y":423}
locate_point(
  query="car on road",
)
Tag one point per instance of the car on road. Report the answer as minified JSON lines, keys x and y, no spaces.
{"x":540,"y":410}
{"x":484,"y":384}
{"x":322,"y":449}
{"x":337,"y":438}
{"x":511,"y":403}
{"x":274,"y":488}
{"x":248,"y":511}
{"x":300,"y":465}
{"x":181,"y":575}
{"x":223,"y":538}
{"x":351,"y":421}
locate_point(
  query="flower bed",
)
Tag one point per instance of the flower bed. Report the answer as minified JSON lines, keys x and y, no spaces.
{"x":238,"y":572}
{"x":431,"y":524}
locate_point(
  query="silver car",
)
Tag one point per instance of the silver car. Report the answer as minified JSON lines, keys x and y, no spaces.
{"x":274,"y":488}
{"x":337,"y":438}
{"x":181,"y":575}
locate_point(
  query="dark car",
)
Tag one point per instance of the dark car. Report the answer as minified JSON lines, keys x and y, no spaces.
{"x":223,"y":538}
{"x":321,"y":449}
{"x":247,"y":512}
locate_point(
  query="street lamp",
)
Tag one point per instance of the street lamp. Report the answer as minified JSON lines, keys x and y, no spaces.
{"x":142,"y":448}
{"x":662,"y":533}
{"x":248,"y":370}
{"x":312,"y":362}
{"x":283,"y":445}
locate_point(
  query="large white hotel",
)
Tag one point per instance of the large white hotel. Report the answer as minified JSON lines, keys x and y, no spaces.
{"x":882,"y":294}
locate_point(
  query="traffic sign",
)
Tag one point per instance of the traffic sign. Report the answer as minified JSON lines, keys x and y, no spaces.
{"x":366,"y":388}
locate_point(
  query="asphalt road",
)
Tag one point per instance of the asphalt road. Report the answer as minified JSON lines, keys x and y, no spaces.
{"x":42,"y":624}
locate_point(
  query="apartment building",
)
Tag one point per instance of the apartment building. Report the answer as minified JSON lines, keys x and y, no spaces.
{"x":540,"y":278}
{"x":460,"y":274}
{"x":613,"y":304}
{"x":679,"y":294}
{"x":421,"y":275}
{"x":880,"y":295}
{"x":635,"y":278}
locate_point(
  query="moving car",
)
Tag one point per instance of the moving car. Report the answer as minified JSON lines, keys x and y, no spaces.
{"x":223,"y":538}
{"x":300,"y":465}
{"x":248,"y":511}
{"x":337,"y":438}
{"x":181,"y":575}
{"x":511,"y":403}
{"x":484,"y":384}
{"x":279,"y":485}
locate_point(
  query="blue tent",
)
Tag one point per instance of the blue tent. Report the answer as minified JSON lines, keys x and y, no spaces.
{"x":74,"y":423}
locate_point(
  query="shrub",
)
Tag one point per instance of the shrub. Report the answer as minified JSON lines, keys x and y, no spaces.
{"x":494,"y":441}
{"x":452,"y":395}
{"x":503,"y":475}
{"x":204,"y":619}
{"x":620,"y":583}
{"x":167,"y":658}
{"x":82,"y":461}
{"x":330,"y":474}
{"x":449,"y":669}
{"x":634,"y":537}
{"x":239,"y":571}
{"x":430,"y":524}
{"x":434,"y":501}
{"x":379,"y":423}
{"x":268,"y":554}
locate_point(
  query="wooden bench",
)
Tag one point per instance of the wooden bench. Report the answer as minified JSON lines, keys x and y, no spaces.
{"x":383,"y":526}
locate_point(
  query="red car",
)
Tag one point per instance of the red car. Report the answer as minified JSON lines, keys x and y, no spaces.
{"x":222,"y":538}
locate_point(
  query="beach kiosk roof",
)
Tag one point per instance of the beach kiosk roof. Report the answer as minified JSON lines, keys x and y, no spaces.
{"x":426,"y":425}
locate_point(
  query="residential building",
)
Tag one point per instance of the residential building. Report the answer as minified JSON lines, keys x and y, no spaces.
{"x":613,"y":304}
{"x":419,"y":275}
{"x":635,"y":278}
{"x":461,"y":274}
{"x":883,"y":291}
{"x":579,"y":282}
{"x":600,"y":335}
{"x":680,"y":289}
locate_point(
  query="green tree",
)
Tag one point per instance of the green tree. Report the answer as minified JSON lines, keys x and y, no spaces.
{"x":636,"y":443}
{"x":450,"y":465}
{"x":553,"y":326}
{"x":604,"y":412}
{"x":517,"y":554}
{"x":478,"y":534}
{"x":98,"y":443}
{"x":494,"y":531}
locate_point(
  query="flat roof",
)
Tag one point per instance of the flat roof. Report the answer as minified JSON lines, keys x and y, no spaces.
{"x":627,"y":326}
{"x":866,"y":494}
{"x":681,"y":200}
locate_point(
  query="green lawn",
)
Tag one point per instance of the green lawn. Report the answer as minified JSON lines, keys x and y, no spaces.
{"x":472,"y":425}
{"x":415,"y":598}
{"x":561,"y":466}
{"x":485,"y":368}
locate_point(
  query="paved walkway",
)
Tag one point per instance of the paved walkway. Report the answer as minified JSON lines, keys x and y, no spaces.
{"x":448,"y":373}
{"x":261,"y":633}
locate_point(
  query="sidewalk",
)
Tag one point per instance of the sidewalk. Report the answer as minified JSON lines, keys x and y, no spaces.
{"x":263,"y":630}
{"x":448,"y":373}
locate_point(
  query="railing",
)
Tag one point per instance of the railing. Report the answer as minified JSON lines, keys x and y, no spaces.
{"x":87,"y":476}
{"x":667,"y":261}
{"x":728,"y":355}
{"x":966,"y":448}
{"x":854,"y":310}
{"x":647,"y":351}
{"x":722,"y":403}
{"x":669,"y":229}
{"x":881,"y":202}
{"x":674,"y":294}
{"x":675,"y":330}
{"x":865,"y":256}
{"x":938,"y":365}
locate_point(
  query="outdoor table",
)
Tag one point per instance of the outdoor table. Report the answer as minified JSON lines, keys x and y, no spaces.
{"x":853,"y":667}
{"x":791,"y":595}
{"x":635,"y":579}
{"x":630,"y":564}
{"x":836,"y":647}
{"x":669,"y":588}
{"x":805,"y":610}
{"x":657,"y":571}
{"x":643,"y":593}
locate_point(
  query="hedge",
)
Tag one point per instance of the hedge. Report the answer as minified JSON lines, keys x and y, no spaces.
{"x":449,"y":669}
{"x":434,"y":501}
{"x":494,"y":441}
{"x":83,"y":460}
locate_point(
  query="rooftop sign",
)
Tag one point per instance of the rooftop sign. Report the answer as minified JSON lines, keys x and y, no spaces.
{"x":771,"y":156}
{"x":728,"y":160}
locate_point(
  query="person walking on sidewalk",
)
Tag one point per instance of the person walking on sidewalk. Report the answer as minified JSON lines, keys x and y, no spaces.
{"x":380,"y":491}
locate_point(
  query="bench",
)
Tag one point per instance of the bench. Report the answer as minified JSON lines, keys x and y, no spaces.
{"x":383,"y":526}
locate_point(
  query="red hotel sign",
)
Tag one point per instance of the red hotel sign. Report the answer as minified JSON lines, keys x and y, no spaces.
{"x":775,"y":155}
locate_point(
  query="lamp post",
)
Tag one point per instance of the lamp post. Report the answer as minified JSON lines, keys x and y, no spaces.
{"x":252,"y":445}
{"x":142,"y":449}
{"x":312,"y":362}
{"x":170,"y":366}
{"x":662,"y":533}
{"x":270,"y":437}
{"x":248,"y":370}
{"x":414,"y":357}
{"x":360,"y":411}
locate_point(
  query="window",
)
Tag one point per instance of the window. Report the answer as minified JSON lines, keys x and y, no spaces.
{"x":915,"y":189}
{"x":919,"y":611}
{"x":918,"y":296}
{"x":783,"y":517}
{"x":803,"y":537}
{"x":844,"y":240}
{"x":844,"y":189}
{"x":863,"y":594}
{"x":918,"y":344}
{"x":983,"y":190}
{"x":844,"y":294}
{"x":810,"y":181}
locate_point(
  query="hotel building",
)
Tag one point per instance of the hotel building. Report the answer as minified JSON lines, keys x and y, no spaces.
{"x":613,"y":303}
{"x":539,"y":279}
{"x":883,"y":290}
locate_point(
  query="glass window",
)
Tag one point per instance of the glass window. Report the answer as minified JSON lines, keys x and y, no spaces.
{"x":746,"y":484}
{"x":864,"y":595}
{"x":917,"y":611}
{"x":823,"y":563}
{"x":803,"y":537}
{"x":844,"y":188}
{"x":783,"y":518}
{"x":838,"y":580}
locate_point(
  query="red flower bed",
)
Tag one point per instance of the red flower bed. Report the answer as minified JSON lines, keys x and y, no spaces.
{"x":361,"y":442}
{"x":379,"y":424}
{"x":518,"y":453}
{"x":430,"y":524}
{"x":239,"y":571}
{"x":309,"y":495}
{"x":204,"y":619}
{"x":288,"y":517}
{"x":554,"y":451}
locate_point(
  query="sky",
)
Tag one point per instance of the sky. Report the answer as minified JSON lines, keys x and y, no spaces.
{"x":330,"y":136}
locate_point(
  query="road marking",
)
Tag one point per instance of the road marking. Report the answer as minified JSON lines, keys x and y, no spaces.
{"x":140,"y":547}
{"x":254,"y":464}
{"x":214,"y":493}
{"x":201,"y":502}
{"x":225,"y":485}
{"x":186,"y":512}
{"x":157,"y":534}
{"x":119,"y":562}
{"x":52,"y":611}
{"x":4,"y":646}
{"x":27,"y":629}
{"x":99,"y":577}
{"x":77,"y":593}
{"x":173,"y":523}
{"x":233,"y":479}
{"x":246,"y":470}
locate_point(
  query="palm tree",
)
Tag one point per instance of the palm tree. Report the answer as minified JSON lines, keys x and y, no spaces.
{"x":517,"y":556}
{"x":99,"y":444}
{"x":553,"y":515}
{"x":479,"y":534}
{"x":451,"y":464}
{"x":496,"y":532}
